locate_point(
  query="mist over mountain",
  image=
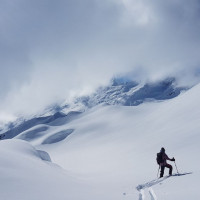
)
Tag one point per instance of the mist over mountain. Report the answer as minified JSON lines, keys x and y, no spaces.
{"x":121,"y":91}
{"x":52,"y":51}
{"x":89,"y":93}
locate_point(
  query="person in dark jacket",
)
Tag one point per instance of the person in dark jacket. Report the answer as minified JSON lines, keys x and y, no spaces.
{"x":164,"y":163}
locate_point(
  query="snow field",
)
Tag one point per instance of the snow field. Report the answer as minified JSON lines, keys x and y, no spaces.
{"x":110,"y":152}
{"x":116,"y":146}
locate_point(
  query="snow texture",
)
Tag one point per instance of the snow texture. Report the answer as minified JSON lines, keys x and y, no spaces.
{"x":44,"y":155}
{"x":149,"y":185}
{"x":57,"y":137}
{"x":56,"y":119}
{"x":130,"y":93}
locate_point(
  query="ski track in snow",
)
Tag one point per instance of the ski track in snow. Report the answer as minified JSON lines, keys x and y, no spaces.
{"x":149,"y":185}
{"x":152,"y":194}
{"x":141,"y":194}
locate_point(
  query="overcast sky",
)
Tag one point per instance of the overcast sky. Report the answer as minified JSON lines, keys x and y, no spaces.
{"x":54,"y":49}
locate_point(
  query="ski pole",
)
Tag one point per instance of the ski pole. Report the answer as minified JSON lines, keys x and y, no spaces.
{"x":176,"y":167}
{"x":158,"y":171}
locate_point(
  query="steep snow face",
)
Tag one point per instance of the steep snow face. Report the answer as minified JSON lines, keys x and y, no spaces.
{"x":115,"y":147}
{"x":129,"y":93}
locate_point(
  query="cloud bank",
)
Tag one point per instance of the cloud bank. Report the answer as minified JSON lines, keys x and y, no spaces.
{"x":52,"y":50}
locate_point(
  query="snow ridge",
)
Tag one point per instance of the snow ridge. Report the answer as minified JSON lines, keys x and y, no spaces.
{"x":130,"y":93}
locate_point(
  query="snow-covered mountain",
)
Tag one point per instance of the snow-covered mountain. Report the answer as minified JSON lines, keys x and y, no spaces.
{"x":120,"y":92}
{"x":109,"y":150}
{"x":130,"y":93}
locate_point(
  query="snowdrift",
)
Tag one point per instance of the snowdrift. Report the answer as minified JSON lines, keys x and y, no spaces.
{"x":28,"y":174}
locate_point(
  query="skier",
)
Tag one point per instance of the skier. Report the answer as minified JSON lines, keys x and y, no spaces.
{"x":162,"y":161}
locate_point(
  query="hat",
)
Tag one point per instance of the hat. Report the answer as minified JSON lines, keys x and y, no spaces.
{"x":162,"y":149}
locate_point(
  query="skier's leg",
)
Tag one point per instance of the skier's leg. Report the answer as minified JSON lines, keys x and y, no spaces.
{"x":162,"y":171}
{"x":170,"y":168}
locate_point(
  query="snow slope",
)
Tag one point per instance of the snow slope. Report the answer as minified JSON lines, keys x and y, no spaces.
{"x":42,"y":122}
{"x":111,"y":150}
{"x":28,"y":174}
{"x":116,"y":147}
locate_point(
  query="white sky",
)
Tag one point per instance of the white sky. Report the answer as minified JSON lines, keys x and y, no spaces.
{"x":53,"y":49}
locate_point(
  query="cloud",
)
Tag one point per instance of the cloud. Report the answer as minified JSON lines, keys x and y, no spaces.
{"x":52,"y":50}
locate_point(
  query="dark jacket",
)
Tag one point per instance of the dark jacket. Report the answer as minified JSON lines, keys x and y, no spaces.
{"x":165,"y":158}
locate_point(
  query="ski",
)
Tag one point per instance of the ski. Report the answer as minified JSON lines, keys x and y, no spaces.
{"x":181,"y":174}
{"x":159,"y":180}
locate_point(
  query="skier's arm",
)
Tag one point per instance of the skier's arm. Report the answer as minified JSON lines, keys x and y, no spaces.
{"x":173,"y":159}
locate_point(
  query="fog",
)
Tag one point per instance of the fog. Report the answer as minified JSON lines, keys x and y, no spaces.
{"x":55,"y":50}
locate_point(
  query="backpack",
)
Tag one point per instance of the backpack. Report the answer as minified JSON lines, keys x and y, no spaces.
{"x":159,"y":158}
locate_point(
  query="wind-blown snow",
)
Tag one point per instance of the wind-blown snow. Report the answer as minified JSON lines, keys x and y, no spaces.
{"x":110,"y":152}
